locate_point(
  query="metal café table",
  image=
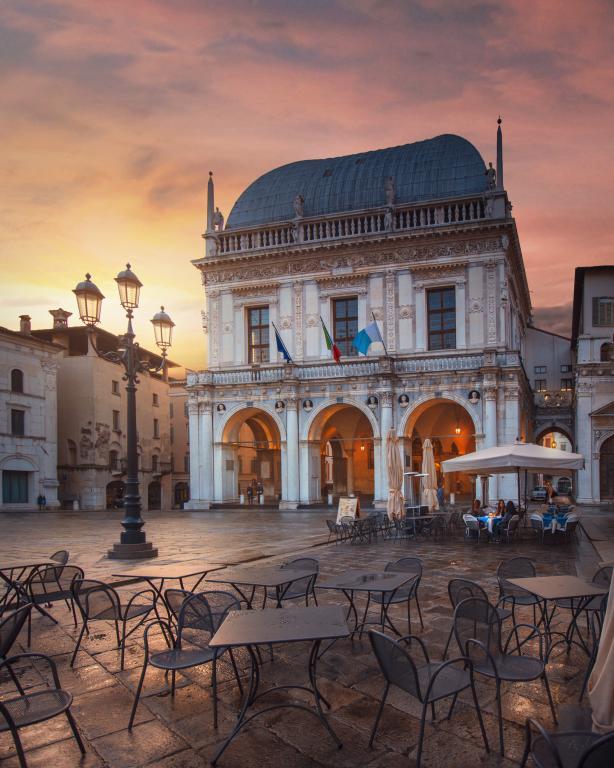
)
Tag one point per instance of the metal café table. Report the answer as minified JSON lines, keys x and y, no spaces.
{"x":267,"y":576}
{"x":384,"y":583}
{"x":275,"y":626}
{"x":12,"y":573}
{"x":552,"y":588}
{"x":156,"y":575}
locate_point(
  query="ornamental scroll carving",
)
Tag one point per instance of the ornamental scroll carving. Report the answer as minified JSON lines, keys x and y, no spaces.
{"x":298,"y":320}
{"x":312,"y":321}
{"x":391,"y":342}
{"x":491,"y":299}
{"x":285,"y":322}
{"x":300,"y":266}
{"x":407,"y":311}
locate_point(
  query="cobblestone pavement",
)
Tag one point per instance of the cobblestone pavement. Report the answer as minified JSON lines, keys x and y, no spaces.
{"x":178,"y":733}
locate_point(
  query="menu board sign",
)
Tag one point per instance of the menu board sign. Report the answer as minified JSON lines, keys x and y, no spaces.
{"x":349,"y":506}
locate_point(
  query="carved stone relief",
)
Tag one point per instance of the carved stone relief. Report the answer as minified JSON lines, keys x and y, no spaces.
{"x":491,"y":298}
{"x":285,"y":322}
{"x":312,"y":321}
{"x":298,"y":320}
{"x":390,"y":311}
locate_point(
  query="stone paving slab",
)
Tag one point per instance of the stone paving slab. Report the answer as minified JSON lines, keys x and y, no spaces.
{"x":177,"y":732}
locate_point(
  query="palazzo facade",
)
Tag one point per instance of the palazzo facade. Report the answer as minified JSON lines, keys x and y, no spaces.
{"x":419,"y":238}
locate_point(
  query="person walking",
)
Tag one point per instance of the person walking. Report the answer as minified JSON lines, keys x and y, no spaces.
{"x":250,"y":495}
{"x":39,"y":500}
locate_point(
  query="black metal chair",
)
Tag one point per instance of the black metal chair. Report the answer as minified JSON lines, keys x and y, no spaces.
{"x":404,"y":594}
{"x":199,"y":618}
{"x":428,"y":681}
{"x":174,"y":599}
{"x":333,"y":531}
{"x":61,"y":556}
{"x":511,"y":530}
{"x":517,"y":568}
{"x":50,"y":584}
{"x":461,"y":589}
{"x":299,"y":588}
{"x":473,"y":530}
{"x":98,"y":601}
{"x":30,"y":708}
{"x":601,"y":578}
{"x":567,"y":749}
{"x":479,"y":634}
{"x":537,"y":526}
{"x":10,"y":627}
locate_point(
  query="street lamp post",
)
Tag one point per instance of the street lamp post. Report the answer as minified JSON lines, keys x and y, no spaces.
{"x":133,"y":543}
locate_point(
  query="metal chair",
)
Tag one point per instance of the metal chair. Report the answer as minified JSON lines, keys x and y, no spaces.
{"x":302,"y":588}
{"x":50,"y":584}
{"x":516,"y":568}
{"x":461,"y":589}
{"x":174,"y":599}
{"x":29,"y":708}
{"x":98,"y":601}
{"x":333,"y":531}
{"x":479,"y":634}
{"x":537,"y":526}
{"x":406,"y":593}
{"x":601,"y":578}
{"x":199,"y":618}
{"x":596,"y":626}
{"x":10,"y":627}
{"x":566,"y":749}
{"x":510,"y":532}
{"x":473,"y":529}
{"x":428,"y":681}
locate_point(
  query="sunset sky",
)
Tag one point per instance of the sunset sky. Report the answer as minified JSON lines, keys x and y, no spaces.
{"x":112,"y":113}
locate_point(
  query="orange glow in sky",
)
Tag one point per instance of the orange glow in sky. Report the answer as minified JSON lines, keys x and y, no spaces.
{"x":114,"y":112}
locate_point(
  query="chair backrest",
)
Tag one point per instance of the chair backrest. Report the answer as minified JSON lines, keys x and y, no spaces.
{"x":10,"y":627}
{"x":513,"y":524}
{"x":537,"y":522}
{"x":603,"y":576}
{"x":461,"y":589}
{"x":406,"y":565}
{"x":61,"y":556}
{"x":48,"y":580}
{"x":299,"y":587}
{"x":471,"y":522}
{"x":395,"y":662}
{"x":476,"y":619}
{"x":174,"y":599}
{"x":95,"y":599}
{"x":599,"y":754}
{"x":515,"y":568}
{"x":332,"y":526}
{"x":202,"y":614}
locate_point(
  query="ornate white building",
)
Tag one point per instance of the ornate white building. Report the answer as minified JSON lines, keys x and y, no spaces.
{"x":420,"y":237}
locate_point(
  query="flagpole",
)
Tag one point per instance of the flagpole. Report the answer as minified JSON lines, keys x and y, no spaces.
{"x":381,"y":336}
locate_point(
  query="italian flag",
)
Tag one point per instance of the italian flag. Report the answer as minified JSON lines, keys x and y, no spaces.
{"x":330,"y":344}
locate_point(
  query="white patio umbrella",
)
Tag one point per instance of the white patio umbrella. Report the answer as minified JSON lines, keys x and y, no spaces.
{"x":505,"y":459}
{"x":429,"y":482}
{"x":395,"y":474}
{"x":601,"y":681}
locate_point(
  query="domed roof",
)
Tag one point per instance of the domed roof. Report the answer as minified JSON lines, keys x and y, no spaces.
{"x":442,"y":167}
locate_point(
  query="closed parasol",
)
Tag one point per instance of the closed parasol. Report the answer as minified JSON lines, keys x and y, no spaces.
{"x":429,"y":481}
{"x":395,"y":474}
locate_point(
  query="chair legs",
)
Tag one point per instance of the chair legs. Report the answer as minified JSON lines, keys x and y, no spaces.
{"x":137,"y":695}
{"x":379,"y":713}
{"x":500,"y":717}
{"x":75,"y":730}
{"x":547,"y":686}
{"x":74,"y":655}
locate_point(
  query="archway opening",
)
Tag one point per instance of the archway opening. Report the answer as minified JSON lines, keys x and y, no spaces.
{"x":115,"y":494}
{"x":154,"y":495}
{"x":181,"y":494}
{"x":606,"y":470}
{"x":451,"y":431}
{"x":345,"y":464}
{"x":251,"y":457}
{"x":562,"y":484}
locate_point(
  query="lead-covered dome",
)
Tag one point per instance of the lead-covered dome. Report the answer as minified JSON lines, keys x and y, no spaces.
{"x":443,"y":167}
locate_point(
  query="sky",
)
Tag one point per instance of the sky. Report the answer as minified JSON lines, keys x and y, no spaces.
{"x":114,"y":112}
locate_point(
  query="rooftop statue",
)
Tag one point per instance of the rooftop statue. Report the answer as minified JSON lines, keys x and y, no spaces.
{"x":390,"y":189}
{"x":491,"y":176}
{"x":218,"y":220}
{"x":299,"y":206}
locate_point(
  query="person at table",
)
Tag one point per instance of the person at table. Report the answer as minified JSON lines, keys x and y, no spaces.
{"x":507,"y":512}
{"x":476,"y":508}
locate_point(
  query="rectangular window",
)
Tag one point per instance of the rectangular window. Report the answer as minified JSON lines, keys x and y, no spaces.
{"x":14,"y":487}
{"x":116,"y":426}
{"x":541,"y":368}
{"x":566,"y":369}
{"x":603,"y":310}
{"x":154,"y":463}
{"x":345,"y":324}
{"x":156,"y":428}
{"x":115,"y":387}
{"x":441,"y":309}
{"x":566,"y":385}
{"x":186,"y":463}
{"x":154,"y":400}
{"x":258,"y":334}
{"x":18,"y":422}
{"x":540,"y":385}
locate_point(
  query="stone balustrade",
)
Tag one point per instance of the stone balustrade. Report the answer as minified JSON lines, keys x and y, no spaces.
{"x":356,"y":224}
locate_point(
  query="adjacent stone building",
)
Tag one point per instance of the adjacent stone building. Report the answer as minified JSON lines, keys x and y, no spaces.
{"x":419,"y":238}
{"x":28,"y":414}
{"x":593,"y":350}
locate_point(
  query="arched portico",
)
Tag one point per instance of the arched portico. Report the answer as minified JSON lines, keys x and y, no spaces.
{"x":451,"y":427}
{"x":340,"y":449}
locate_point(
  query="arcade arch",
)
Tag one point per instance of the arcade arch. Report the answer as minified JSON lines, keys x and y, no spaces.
{"x":251,"y":455}
{"x":342,"y":450}
{"x":451,"y":430}
{"x":606,"y":470}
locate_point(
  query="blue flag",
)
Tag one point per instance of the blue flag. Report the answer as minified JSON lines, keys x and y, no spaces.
{"x":281,"y":347}
{"x":366,"y":337}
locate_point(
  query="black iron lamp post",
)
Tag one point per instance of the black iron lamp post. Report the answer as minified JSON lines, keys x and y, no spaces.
{"x":133,"y":543}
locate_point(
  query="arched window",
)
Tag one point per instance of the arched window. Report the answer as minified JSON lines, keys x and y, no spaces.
{"x":113,"y":460}
{"x":154,"y":462}
{"x":16,"y":380}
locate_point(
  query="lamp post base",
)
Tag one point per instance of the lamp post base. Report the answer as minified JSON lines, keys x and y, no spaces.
{"x":140,"y":551}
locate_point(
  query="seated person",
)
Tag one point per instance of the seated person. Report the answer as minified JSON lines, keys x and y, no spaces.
{"x":509,"y":510}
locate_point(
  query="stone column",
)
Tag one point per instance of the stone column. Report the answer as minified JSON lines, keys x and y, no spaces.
{"x":461,"y":314}
{"x":205,"y":452}
{"x":381,"y":467}
{"x":584,"y":437}
{"x":490,"y":429}
{"x":290,"y":500}
{"x":49,"y":464}
{"x":304,"y":470}
{"x":508,"y":484}
{"x":349,"y":481}
{"x":194,"y":501}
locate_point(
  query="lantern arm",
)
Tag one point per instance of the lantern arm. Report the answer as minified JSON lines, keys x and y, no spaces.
{"x":111,"y":356}
{"x":144,"y":365}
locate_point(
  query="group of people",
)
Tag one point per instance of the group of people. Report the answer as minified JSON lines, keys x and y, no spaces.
{"x":255,"y":489}
{"x":502,"y":515}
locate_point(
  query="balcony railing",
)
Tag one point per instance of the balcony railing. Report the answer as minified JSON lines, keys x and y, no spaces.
{"x":356,"y":224}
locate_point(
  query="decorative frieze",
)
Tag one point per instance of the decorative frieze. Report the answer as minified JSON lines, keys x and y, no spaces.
{"x":390,"y":284}
{"x":491,"y":303}
{"x":298,"y":320}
